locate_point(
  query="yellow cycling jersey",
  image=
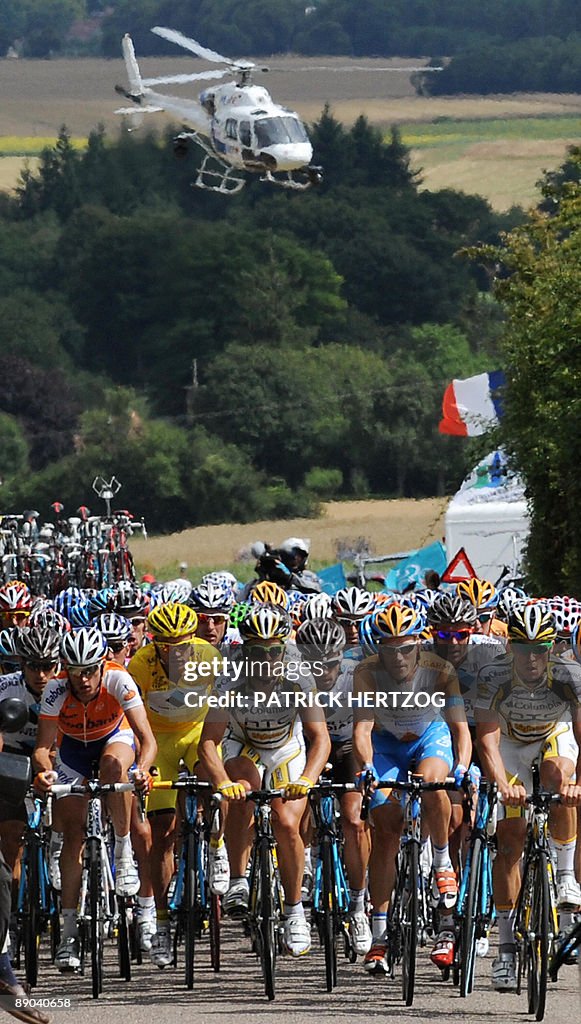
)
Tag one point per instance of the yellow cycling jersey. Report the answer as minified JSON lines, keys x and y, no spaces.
{"x":165,"y":698}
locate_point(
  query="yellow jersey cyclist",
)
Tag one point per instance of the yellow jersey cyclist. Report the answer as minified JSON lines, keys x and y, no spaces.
{"x":95,"y":714}
{"x":411,"y":714}
{"x":528,"y":710}
{"x":263,"y":734}
{"x":162,"y":672}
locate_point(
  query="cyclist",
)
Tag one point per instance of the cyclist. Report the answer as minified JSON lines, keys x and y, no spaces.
{"x":15,"y":604}
{"x":159,"y":671}
{"x":389,"y":740}
{"x":263,"y":745}
{"x":212,"y":603}
{"x":349,"y":606}
{"x":528,"y":710}
{"x":322,"y":644}
{"x":97,"y":713}
{"x":132,"y":604}
{"x":118,"y":634}
{"x":483,"y":595}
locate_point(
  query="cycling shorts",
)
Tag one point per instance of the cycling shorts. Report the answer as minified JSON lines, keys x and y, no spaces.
{"x":392,"y":758}
{"x":276,"y":767}
{"x":75,"y":762}
{"x":171,"y":749}
{"x":343,"y":761}
{"x":518,"y":759}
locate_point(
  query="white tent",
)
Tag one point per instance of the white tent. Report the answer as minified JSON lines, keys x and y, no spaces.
{"x":488,"y":517}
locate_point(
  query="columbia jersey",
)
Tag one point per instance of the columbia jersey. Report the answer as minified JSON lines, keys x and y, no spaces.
{"x":23,"y":741}
{"x":339,"y":712}
{"x":103,"y":714}
{"x":410,"y":707}
{"x":528,"y":712}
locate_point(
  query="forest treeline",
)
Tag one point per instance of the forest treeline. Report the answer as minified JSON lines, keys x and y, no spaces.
{"x":236,"y":357}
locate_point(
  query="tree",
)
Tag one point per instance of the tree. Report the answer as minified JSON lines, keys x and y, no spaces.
{"x":13,"y":448}
{"x":538,"y":279}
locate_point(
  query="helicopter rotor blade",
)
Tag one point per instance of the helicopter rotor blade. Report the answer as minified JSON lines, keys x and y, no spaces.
{"x":183,"y":79}
{"x":173,"y":36}
{"x":346,"y":67}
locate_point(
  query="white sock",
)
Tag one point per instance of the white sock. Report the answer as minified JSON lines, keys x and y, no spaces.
{"x":378,"y":927}
{"x":146,"y":906}
{"x":565,"y":857}
{"x":70,"y":927}
{"x":294,"y":910}
{"x":442,"y":860}
{"x":123,"y":846}
{"x":357,"y":900}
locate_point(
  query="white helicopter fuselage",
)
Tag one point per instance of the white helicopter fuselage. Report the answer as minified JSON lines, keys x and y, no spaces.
{"x":250,"y":131}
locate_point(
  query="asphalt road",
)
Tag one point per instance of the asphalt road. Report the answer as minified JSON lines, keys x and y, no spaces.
{"x":235,"y":995}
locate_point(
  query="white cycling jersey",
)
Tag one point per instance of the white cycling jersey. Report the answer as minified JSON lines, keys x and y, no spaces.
{"x":23,"y":741}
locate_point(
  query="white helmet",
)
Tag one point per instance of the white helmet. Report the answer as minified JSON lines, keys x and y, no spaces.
{"x":85,"y":647}
{"x":352,"y":603}
{"x":318,"y":606}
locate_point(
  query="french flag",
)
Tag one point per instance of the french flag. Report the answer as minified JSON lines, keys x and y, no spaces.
{"x":471,"y":407}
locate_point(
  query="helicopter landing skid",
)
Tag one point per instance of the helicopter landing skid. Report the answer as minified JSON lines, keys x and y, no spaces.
{"x":228,"y":184}
{"x":309,"y":179}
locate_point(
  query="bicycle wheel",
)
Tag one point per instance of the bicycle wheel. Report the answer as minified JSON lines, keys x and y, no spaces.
{"x":469,"y":920}
{"x":189,"y":907}
{"x":31,"y":917}
{"x":125,"y":916}
{"x":538,"y":942}
{"x":267,"y":922}
{"x":97,"y":923}
{"x":215,"y":924}
{"x":408,"y":922}
{"x":328,"y":911}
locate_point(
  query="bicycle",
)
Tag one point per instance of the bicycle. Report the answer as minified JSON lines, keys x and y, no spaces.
{"x":536,"y":922}
{"x":265,"y":905}
{"x":410,"y":917}
{"x":475,"y":912}
{"x":37,"y":902}
{"x":566,"y":947}
{"x":98,"y":904}
{"x":330,"y":887}
{"x":197,"y":910}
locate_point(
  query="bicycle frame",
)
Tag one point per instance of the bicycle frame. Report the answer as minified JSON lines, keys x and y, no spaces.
{"x":322,"y":799}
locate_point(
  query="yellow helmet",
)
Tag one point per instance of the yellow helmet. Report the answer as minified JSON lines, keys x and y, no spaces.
{"x":480,"y":593}
{"x":172,"y":621}
{"x":395,"y":620}
{"x":267,"y":592}
{"x":532,"y":624}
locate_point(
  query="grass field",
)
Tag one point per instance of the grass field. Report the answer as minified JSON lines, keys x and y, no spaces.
{"x":497,"y":146}
{"x":387,"y":526}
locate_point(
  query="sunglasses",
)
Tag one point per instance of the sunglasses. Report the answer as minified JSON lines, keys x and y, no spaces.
{"x":211,"y":617}
{"x":41,"y":666}
{"x":274,"y":651}
{"x":117,"y":645}
{"x":485,"y":616}
{"x":330,"y":663}
{"x":453,"y":634}
{"x":166,"y":645}
{"x":540,"y":648}
{"x":78,"y":671}
{"x":399,"y":649}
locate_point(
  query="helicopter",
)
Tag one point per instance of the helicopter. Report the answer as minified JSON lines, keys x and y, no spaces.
{"x":238,"y":125}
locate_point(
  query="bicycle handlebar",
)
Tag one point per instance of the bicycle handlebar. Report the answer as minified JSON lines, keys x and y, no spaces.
{"x":192,"y":782}
{"x":264,"y":796}
{"x":91,"y":788}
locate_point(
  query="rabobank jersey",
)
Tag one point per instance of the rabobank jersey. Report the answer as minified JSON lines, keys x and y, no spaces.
{"x":528,"y":712}
{"x":23,"y":741}
{"x":405,"y":710}
{"x":164,"y":698}
{"x":101,"y":716}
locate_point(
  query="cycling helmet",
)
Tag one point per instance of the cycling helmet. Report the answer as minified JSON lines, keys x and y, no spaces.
{"x":318,"y":606}
{"x":177,"y":591}
{"x":101,"y":601}
{"x":239,"y":613}
{"x":394,"y":621}
{"x":15,"y":597}
{"x":481,"y":593}
{"x":531,"y":624}
{"x":452,"y":610}
{"x":210,"y":596}
{"x":566,"y":617}
{"x":7,"y":648}
{"x":509,"y":598}
{"x":352,"y":603}
{"x":224,"y":579}
{"x":64,"y":602}
{"x":37,"y":644}
{"x":83,"y":647}
{"x":114,"y":627}
{"x":48,"y":618}
{"x":323,"y":637}
{"x":80,"y":615}
{"x":266,"y":622}
{"x":129,"y":600}
{"x":366,"y":639}
{"x":172,"y":621}
{"x":267,"y":592}
{"x":382,"y":600}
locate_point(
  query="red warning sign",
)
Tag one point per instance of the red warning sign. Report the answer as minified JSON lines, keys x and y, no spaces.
{"x":459,"y":569}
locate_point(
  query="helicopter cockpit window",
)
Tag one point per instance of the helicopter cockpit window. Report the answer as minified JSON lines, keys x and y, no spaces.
{"x":273,"y":131}
{"x":245,"y":133}
{"x":231,"y":128}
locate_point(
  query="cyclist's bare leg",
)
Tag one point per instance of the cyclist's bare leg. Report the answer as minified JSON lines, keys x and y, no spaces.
{"x":357,"y":840}
{"x":387,"y":821}
{"x":72,"y":816}
{"x":141,"y":841}
{"x":506,"y":871}
{"x":116,"y":760}
{"x":555,"y":773}
{"x":286,"y":822}
{"x":163,"y":835}
{"x":238,"y":828}
{"x":436,"y":807}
